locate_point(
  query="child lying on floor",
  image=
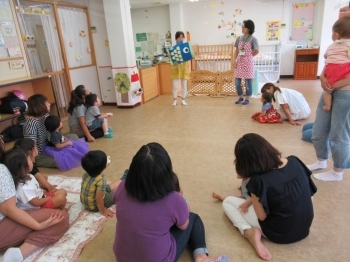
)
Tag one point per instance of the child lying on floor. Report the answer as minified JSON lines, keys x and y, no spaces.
{"x":29,"y":195}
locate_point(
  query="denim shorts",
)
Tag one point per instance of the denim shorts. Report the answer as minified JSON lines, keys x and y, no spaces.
{"x":97,"y":123}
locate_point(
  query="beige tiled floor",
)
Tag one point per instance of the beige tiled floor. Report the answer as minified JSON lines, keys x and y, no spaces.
{"x":200,"y":139}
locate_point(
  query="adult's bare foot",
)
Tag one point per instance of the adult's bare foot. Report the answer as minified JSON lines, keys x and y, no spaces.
{"x":217,"y":196}
{"x":254,"y":237}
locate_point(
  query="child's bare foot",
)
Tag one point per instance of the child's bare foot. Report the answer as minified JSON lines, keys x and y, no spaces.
{"x":217,"y":196}
{"x":254,"y":237}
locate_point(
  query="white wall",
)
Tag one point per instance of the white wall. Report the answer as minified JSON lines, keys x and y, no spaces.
{"x":154,"y":20}
{"x":200,"y":16}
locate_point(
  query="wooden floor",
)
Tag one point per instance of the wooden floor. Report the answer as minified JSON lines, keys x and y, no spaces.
{"x":200,"y":139}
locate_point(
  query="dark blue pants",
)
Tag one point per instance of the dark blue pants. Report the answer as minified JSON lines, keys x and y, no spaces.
{"x":193,"y":235}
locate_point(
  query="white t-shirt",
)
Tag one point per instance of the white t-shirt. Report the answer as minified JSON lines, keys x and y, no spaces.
{"x":7,"y":186}
{"x":294,"y":99}
{"x":28,"y":191}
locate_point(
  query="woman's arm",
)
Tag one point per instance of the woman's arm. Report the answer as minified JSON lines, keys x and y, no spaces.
{"x":255,"y":52}
{"x":286,"y":110}
{"x":9,"y":209}
{"x":235,"y":54}
{"x":83,"y":126}
{"x":341,"y":83}
{"x":258,"y":207}
{"x":184,"y":226}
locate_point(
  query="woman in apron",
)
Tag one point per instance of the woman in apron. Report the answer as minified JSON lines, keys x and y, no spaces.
{"x":246,"y":47}
{"x":180,"y":73}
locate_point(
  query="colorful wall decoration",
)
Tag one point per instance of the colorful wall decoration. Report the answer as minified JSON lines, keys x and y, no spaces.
{"x":302,"y":26}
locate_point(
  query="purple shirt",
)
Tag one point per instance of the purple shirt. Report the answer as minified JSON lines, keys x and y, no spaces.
{"x":143,"y":229}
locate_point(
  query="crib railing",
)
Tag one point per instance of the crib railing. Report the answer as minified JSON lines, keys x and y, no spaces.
{"x":214,"y":58}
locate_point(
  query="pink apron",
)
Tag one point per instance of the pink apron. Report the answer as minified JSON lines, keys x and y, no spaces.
{"x":245,"y":63}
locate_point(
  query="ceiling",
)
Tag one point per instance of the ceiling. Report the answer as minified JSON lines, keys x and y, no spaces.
{"x":152,"y":3}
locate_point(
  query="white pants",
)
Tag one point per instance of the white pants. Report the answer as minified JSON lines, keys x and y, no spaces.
{"x":183,"y":87}
{"x":304,"y":113}
{"x":240,"y":220}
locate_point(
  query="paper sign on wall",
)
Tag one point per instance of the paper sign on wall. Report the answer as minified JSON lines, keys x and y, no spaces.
{"x":16,"y":64}
{"x":14,"y":51}
{"x":8,"y":29}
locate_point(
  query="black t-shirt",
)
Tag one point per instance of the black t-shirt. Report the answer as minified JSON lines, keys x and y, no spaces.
{"x":285,"y":194}
{"x":35,"y":169}
{"x":55,"y":138}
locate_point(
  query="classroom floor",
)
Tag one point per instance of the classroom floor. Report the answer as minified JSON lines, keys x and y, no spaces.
{"x":200,"y":139}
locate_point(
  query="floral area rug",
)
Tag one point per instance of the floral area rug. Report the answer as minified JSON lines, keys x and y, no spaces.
{"x":84,"y":226}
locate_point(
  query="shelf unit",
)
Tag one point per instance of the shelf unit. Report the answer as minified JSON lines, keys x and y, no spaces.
{"x":306,"y":64}
{"x":30,"y":86}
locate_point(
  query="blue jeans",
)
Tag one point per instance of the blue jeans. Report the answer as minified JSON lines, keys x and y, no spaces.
{"x":307,"y":132}
{"x":331,"y":130}
{"x":248,"y":86}
{"x":193,"y":235}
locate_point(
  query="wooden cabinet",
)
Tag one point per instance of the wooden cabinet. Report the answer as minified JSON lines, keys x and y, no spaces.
{"x":306,"y":64}
{"x":149,"y":83}
{"x":164,"y":78}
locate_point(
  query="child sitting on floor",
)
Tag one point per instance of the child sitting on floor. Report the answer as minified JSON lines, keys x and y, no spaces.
{"x":94,"y":118}
{"x":96,"y":194}
{"x":244,"y":194}
{"x":29,"y":146}
{"x":29,"y":195}
{"x":268,"y":114}
{"x":66,"y":152}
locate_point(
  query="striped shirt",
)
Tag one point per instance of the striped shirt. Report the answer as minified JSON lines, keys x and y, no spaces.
{"x":35,"y":130}
{"x":89,"y":187}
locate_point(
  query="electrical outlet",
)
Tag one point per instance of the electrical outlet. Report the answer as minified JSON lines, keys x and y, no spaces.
{"x":283,"y":26}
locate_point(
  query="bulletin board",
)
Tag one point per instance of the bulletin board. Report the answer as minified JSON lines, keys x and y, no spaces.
{"x":9,"y":40}
{"x":302,"y":26}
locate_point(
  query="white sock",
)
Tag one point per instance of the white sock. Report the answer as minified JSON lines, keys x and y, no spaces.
{"x":330,"y":175}
{"x":106,"y":133}
{"x":174,"y":103}
{"x":13,"y":254}
{"x":184,"y":103}
{"x":320,"y":164}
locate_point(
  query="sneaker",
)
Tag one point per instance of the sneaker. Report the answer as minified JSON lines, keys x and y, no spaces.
{"x":239,"y":100}
{"x":246,"y":102}
{"x":184,"y":103}
{"x":108,"y":135}
{"x":222,"y":259}
{"x":174,"y":103}
{"x":110,"y":129}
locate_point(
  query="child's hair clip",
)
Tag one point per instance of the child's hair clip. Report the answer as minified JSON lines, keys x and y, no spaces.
{"x":108,"y":160}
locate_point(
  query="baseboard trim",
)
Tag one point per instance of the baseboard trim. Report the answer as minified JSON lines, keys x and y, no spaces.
{"x":286,"y":76}
{"x":291,"y":76}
